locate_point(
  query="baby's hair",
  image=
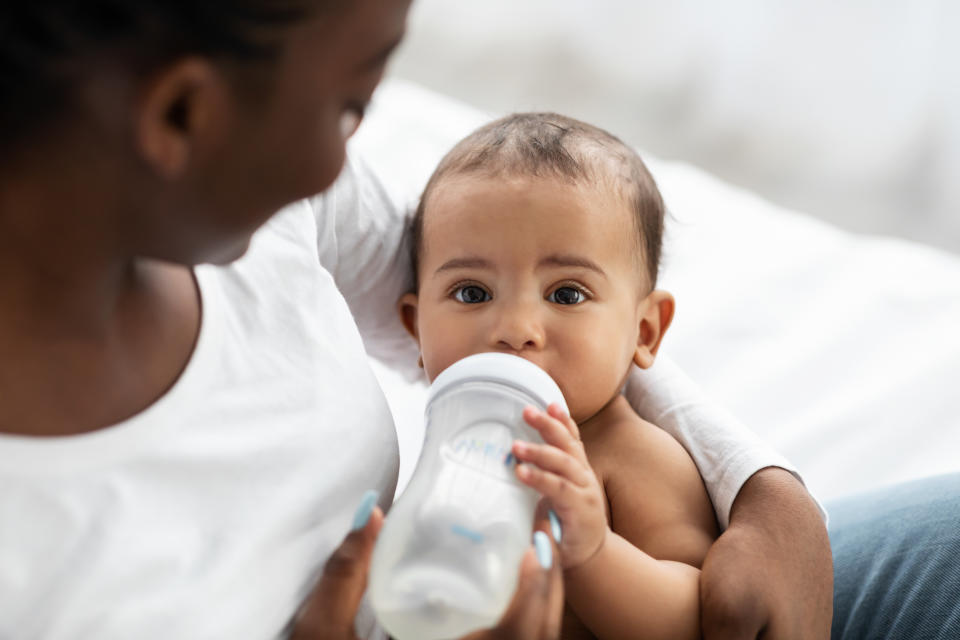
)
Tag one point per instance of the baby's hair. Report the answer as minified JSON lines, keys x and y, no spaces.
{"x":548,"y":145}
{"x":47,"y":45}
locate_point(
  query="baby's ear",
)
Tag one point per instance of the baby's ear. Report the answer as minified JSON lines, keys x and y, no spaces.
{"x":407,"y":308}
{"x":656,"y":314}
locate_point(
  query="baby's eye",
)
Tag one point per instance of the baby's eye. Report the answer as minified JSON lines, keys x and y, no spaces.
{"x":566,"y":295}
{"x":471,"y":294}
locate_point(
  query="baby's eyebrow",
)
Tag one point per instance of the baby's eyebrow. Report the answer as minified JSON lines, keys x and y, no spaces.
{"x":566,"y":260}
{"x":465,"y":263}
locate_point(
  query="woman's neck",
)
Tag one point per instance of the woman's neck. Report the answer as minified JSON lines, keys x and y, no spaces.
{"x":88,"y":336}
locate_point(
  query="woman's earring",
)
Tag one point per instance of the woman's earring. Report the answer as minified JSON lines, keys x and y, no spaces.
{"x":420,"y":361}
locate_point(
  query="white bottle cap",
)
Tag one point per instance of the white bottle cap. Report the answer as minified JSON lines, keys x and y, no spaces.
{"x":502,"y":368}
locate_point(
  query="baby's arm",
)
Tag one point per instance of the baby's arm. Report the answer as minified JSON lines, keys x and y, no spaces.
{"x":617,"y":590}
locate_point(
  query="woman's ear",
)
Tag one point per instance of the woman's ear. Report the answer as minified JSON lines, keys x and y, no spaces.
{"x":407,"y":308}
{"x":656,"y":314}
{"x":183,"y":110}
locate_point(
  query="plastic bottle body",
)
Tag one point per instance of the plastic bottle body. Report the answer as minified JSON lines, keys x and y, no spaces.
{"x":447,"y":560}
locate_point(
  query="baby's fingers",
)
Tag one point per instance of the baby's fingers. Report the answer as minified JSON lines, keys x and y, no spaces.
{"x":557,"y":489}
{"x":553,"y":460}
{"x":556,"y":412}
{"x":556,"y":428}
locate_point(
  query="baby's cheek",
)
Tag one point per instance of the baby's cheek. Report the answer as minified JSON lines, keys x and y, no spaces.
{"x":597,"y":373}
{"x":434,"y":360}
{"x":441,"y":349}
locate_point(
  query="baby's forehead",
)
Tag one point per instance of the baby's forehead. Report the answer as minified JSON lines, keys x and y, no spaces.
{"x":595,"y":213}
{"x":592,"y":202}
{"x":605,"y":198}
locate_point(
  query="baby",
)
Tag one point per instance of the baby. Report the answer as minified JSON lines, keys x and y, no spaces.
{"x":539,"y":236}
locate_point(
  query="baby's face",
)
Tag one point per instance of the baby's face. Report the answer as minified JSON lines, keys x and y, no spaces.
{"x":536,"y":268}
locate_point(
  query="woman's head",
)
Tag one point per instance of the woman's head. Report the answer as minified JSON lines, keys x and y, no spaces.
{"x":48,"y":47}
{"x":202,"y":117}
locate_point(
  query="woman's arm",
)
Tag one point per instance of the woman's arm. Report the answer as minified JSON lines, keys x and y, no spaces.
{"x":362,"y":233}
{"x":769,"y":517}
{"x":725,"y":451}
{"x":775,"y":525}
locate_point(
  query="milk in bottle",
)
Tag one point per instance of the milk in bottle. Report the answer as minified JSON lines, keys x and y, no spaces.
{"x":447,"y":558}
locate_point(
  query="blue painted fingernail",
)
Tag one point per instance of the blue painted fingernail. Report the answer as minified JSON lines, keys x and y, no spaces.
{"x":555,"y":526}
{"x":541,"y":544}
{"x":362,"y":515}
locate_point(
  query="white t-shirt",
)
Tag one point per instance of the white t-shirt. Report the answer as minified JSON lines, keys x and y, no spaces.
{"x":209,"y":514}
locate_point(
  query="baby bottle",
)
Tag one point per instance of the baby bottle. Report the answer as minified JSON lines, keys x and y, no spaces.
{"x":447,"y":558}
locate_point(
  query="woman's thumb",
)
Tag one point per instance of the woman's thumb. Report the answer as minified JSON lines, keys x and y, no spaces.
{"x":330,"y":610}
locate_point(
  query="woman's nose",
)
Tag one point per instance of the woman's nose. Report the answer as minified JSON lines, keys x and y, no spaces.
{"x":518,"y":328}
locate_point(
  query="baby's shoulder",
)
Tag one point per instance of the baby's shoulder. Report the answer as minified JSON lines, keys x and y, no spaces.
{"x":656,"y":496}
{"x":627,"y":441}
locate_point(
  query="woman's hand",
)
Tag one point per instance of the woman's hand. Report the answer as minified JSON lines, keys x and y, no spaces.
{"x":328,"y":613}
{"x":560,"y":472}
{"x":770,"y":574}
{"x":536,"y":610}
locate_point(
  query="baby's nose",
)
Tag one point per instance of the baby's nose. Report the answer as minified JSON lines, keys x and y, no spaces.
{"x":519,"y":329}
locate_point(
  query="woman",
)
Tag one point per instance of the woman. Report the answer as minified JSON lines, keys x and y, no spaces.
{"x":183,"y":445}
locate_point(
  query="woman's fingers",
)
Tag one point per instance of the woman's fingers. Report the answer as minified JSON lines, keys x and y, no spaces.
{"x":551,"y":459}
{"x":328,"y":613}
{"x":536,"y":610}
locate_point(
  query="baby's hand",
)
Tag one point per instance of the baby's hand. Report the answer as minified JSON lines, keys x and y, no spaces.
{"x":560,"y":472}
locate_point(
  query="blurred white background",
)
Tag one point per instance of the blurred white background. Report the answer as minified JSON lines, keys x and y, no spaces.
{"x":847,"y":111}
{"x":842,"y":350}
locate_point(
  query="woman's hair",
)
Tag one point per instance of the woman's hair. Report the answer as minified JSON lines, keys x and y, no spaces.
{"x":47,"y":47}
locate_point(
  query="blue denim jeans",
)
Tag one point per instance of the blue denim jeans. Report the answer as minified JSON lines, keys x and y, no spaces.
{"x":896,"y":557}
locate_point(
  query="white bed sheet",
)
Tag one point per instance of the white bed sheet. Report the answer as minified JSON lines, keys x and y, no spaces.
{"x":842,"y":350}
